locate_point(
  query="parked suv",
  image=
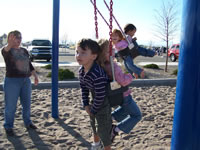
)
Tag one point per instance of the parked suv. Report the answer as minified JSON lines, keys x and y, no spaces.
{"x":173,"y":52}
{"x":40,"y":49}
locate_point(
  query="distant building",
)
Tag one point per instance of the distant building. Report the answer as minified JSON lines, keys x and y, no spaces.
{"x":3,"y":40}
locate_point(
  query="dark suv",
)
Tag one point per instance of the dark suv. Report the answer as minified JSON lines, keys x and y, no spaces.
{"x":40,"y":49}
{"x":173,"y":52}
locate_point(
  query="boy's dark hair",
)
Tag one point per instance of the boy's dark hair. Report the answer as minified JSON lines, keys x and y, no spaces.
{"x":90,"y":44}
{"x":129,"y":27}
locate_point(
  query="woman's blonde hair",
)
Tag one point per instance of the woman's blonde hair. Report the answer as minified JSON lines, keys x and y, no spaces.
{"x":102,"y":61}
{"x":104,"y":45}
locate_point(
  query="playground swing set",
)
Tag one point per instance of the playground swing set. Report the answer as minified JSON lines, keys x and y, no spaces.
{"x":114,"y":85}
{"x":186,"y":121}
{"x":114,"y":90}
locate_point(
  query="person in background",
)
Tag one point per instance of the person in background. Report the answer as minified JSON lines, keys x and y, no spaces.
{"x":17,"y":82}
{"x":94,"y":79}
{"x":130,"y":31}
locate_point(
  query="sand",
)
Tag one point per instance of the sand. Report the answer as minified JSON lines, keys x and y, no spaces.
{"x":71,"y":131}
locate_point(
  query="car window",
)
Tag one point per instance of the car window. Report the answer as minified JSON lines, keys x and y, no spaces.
{"x":41,"y":43}
{"x":172,"y":46}
{"x":177,"y":46}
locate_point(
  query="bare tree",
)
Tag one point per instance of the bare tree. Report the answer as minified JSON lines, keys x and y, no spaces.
{"x":65,"y":38}
{"x":166,"y":23}
{"x":150,"y":44}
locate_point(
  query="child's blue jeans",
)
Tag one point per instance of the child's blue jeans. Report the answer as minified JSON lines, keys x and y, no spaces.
{"x":13,"y":89}
{"x":130,"y":66}
{"x":143,"y":51}
{"x":127,"y":115}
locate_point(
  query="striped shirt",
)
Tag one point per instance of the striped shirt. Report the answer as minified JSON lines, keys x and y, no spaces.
{"x":95,"y":79}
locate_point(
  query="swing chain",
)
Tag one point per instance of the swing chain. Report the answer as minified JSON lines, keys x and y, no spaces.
{"x":95,"y":18}
{"x":110,"y":26}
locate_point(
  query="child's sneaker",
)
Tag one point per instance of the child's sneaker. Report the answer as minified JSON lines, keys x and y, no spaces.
{"x":97,"y":146}
{"x":113,"y":133}
{"x":136,"y":76}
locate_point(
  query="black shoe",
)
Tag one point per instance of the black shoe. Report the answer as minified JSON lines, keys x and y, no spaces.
{"x":31,"y":126}
{"x":9,"y":132}
{"x":113,"y":133}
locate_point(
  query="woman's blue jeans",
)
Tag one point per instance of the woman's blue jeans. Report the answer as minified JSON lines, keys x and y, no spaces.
{"x":127,"y":115}
{"x":13,"y":89}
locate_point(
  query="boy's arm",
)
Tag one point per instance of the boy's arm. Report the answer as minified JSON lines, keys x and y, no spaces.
{"x":85,"y":95}
{"x":100,"y":93}
{"x":129,"y":38}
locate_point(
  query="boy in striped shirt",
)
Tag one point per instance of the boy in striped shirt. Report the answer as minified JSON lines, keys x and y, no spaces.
{"x":93,"y":78}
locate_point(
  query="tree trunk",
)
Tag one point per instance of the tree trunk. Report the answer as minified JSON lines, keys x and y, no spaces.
{"x":166,"y":64}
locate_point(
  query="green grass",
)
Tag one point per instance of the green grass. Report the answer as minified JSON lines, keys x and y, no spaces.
{"x":63,"y":74}
{"x":47,"y":66}
{"x":151,"y":66}
{"x":175,"y":72}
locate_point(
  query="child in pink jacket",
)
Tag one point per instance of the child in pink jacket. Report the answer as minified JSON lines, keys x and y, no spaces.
{"x":121,"y":45}
{"x":128,"y":114}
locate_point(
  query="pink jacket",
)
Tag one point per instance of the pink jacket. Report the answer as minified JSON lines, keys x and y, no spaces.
{"x":122,"y":78}
{"x":122,"y":44}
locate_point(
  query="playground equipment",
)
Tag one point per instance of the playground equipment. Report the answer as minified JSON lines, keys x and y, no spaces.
{"x":130,"y":44}
{"x":186,"y":125}
{"x":114,"y":85}
{"x":55,"y":47}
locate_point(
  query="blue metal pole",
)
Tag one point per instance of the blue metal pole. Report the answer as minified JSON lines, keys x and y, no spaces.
{"x":55,"y":47}
{"x":186,"y":125}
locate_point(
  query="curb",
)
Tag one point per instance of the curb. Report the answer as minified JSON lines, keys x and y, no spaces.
{"x":154,"y":82}
{"x":135,"y":83}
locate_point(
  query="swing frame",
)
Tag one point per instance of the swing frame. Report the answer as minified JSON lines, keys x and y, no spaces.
{"x":114,"y":85}
{"x":130,"y":44}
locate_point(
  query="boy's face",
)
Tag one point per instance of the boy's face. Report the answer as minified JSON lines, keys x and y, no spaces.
{"x":85,"y":57}
{"x":131,"y":33}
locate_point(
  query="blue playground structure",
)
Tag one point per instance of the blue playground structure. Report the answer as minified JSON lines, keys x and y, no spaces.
{"x":186,"y":125}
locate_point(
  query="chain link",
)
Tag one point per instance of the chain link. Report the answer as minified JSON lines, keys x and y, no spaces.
{"x":110,"y":26}
{"x":95,"y":18}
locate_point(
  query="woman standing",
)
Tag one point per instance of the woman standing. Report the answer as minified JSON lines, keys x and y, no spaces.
{"x":17,"y":82}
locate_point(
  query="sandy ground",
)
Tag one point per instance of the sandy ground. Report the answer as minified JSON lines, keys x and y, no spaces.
{"x":71,"y":130}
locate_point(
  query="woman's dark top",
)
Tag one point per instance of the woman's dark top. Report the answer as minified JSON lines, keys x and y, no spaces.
{"x":18,"y":64}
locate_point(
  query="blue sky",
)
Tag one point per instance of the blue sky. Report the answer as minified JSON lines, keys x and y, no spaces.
{"x":34,"y":18}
